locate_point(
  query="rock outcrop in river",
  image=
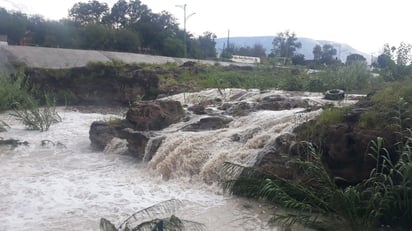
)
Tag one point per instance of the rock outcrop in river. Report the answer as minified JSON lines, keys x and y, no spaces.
{"x":344,"y":147}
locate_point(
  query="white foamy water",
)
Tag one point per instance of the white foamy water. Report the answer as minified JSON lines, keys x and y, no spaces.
{"x":68,"y":186}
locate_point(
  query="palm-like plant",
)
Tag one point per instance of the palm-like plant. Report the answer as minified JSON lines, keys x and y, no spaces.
{"x":143,"y":220}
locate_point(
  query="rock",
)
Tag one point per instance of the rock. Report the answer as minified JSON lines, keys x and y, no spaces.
{"x":188,"y":64}
{"x":208,"y":123}
{"x":273,"y":158}
{"x":225,"y":106}
{"x":154,"y":115}
{"x":345,"y":151}
{"x":239,"y":109}
{"x":136,"y":142}
{"x":13,"y":142}
{"x":278,"y":102}
{"x":246,"y":135}
{"x":101,"y":133}
{"x":197,"y":109}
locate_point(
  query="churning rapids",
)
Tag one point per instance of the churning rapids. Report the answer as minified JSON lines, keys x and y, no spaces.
{"x":58,"y":182}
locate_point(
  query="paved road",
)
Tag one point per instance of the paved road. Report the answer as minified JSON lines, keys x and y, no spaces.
{"x":43,"y":57}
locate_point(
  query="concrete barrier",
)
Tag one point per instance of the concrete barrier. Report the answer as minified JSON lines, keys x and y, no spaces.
{"x":58,"y":58}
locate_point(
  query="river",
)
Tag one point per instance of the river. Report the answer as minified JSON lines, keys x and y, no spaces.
{"x":58,"y":182}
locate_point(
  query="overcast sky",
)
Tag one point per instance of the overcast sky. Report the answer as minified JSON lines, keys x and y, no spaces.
{"x":364,"y":24}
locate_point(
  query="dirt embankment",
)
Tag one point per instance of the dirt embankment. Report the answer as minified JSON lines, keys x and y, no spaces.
{"x":96,"y":84}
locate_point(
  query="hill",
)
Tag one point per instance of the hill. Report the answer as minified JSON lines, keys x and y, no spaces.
{"x":343,"y":50}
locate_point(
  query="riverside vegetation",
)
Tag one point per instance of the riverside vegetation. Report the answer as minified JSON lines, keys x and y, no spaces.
{"x":15,"y":96}
{"x":313,"y":198}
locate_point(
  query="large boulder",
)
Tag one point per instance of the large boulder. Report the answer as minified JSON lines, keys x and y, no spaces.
{"x":278,"y":102}
{"x":141,"y":117}
{"x":137,"y":142}
{"x":241,"y":108}
{"x":273,"y":158}
{"x":101,"y":133}
{"x":198,"y":109}
{"x":154,"y":115}
{"x":113,"y":138}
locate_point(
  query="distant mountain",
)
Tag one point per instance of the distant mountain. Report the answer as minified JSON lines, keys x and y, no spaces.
{"x":343,"y":50}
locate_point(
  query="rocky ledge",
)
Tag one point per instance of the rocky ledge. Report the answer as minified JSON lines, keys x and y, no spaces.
{"x":344,"y":147}
{"x":145,"y":118}
{"x":142,"y":119}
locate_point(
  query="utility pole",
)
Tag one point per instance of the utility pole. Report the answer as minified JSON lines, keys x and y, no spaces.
{"x":228,"y":35}
{"x":185,"y":17}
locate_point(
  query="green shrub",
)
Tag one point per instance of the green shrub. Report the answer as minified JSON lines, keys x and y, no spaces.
{"x":332,"y":115}
{"x":35,"y":117}
{"x":354,"y":77}
{"x":391,"y":105}
{"x":12,"y":91}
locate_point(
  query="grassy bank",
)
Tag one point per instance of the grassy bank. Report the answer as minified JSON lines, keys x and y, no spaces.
{"x":175,"y":78}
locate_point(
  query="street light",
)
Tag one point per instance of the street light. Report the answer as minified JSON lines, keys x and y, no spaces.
{"x":184,"y":25}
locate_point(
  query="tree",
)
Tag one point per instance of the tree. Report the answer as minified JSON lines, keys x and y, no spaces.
{"x":403,"y":54}
{"x":353,"y":58}
{"x":298,"y":59}
{"x":96,"y":37}
{"x":285,"y":45}
{"x":90,"y":12}
{"x":317,"y":53}
{"x":328,"y":53}
{"x":155,"y":28}
{"x":205,"y":46}
{"x":173,"y":47}
{"x":14,"y":25}
{"x":118,"y":15}
{"x":124,"y":13}
{"x":324,"y":54}
{"x":256,"y":51}
{"x":384,"y":60}
{"x":137,"y":10}
{"x":125,"y":40}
